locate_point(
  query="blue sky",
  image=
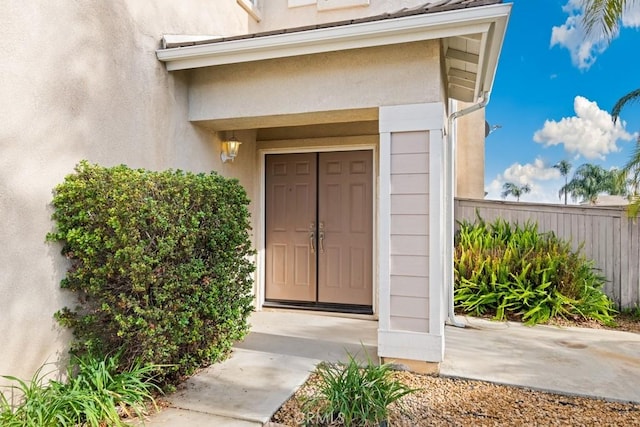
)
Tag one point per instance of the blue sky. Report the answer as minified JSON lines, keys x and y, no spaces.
{"x":552,"y":94}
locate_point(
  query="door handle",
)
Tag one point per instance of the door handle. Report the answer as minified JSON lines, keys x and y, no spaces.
{"x":321,"y":237}
{"x":312,"y":237}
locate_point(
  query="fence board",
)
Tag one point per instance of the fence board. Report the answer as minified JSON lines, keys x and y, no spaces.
{"x":617,"y":265}
{"x":607,"y":235}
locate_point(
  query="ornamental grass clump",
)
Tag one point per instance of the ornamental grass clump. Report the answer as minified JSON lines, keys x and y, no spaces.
{"x":511,"y":270}
{"x":97,"y":392}
{"x":353,"y":395}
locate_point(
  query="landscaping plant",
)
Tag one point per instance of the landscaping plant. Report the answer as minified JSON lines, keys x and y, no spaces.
{"x":97,"y":392}
{"x":160,"y":262}
{"x":353,"y":395}
{"x":508,"y":270}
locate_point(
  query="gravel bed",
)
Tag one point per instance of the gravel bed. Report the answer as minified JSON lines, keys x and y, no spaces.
{"x":442,"y":401}
{"x":455,"y":402}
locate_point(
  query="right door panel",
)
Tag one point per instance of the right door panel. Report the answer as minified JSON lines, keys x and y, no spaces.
{"x":345,"y":224}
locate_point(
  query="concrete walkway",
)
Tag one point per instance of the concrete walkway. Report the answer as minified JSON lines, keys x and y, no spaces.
{"x":284,"y":347}
{"x":265,"y":369}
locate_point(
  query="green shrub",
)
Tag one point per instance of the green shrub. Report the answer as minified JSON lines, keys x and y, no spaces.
{"x":160,"y":262}
{"x":354,"y":395}
{"x":512,"y":270}
{"x":97,"y":393}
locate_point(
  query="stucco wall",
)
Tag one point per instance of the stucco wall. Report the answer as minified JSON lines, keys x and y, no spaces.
{"x":80,"y":80}
{"x":469,"y":161}
{"x":277,"y":13}
{"x":352,"y":79}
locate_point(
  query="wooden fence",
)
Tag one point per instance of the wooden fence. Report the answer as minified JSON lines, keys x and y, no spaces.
{"x":609,"y":238}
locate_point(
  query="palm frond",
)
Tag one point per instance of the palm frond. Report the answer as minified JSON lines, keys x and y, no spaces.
{"x":633,"y":164}
{"x":629,"y":98}
{"x":563,"y":166}
{"x":602,"y":17}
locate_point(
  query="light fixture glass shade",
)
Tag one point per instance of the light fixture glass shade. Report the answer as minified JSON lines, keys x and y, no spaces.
{"x":230,"y":149}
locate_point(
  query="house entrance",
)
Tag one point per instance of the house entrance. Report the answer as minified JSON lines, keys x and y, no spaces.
{"x":319,"y":222}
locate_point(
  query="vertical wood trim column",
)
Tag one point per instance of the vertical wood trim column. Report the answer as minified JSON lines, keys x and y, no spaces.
{"x":426,"y":344}
{"x":384,"y":233}
{"x":438,"y":242}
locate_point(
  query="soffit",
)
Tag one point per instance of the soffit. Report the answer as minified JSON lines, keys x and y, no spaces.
{"x":472,"y":32}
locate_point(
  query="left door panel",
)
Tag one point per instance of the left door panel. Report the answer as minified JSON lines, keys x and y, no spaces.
{"x":291,"y":208}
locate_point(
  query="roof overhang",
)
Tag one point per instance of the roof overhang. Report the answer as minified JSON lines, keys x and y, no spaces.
{"x":472,"y":40}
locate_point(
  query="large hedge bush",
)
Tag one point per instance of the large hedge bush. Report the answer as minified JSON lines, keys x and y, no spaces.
{"x":160,"y":261}
{"x":512,"y":270}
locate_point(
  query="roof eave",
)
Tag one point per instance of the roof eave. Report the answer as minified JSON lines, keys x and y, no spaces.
{"x":491,"y":52}
{"x":490,"y":20}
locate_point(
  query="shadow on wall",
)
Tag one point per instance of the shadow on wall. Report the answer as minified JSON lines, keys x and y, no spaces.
{"x":80,"y":82}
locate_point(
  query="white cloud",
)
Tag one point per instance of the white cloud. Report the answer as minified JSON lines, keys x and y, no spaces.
{"x":572,"y":36}
{"x":631,"y":17}
{"x":527,"y":173}
{"x":544,"y":181}
{"x":590,"y":133}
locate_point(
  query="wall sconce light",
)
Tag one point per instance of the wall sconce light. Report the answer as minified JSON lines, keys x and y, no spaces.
{"x":230,"y":149}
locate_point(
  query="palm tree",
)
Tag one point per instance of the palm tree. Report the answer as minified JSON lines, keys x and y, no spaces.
{"x":632,"y":170}
{"x":632,"y":175}
{"x":603,"y":17}
{"x":618,"y":183}
{"x":590,"y":180}
{"x":509,"y":188}
{"x":564,"y":167}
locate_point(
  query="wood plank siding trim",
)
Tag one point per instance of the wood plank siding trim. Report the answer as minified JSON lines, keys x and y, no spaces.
{"x":408,"y":220}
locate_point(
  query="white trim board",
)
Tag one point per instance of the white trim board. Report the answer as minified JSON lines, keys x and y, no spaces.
{"x":410,"y":345}
{"x":384,"y":226}
{"x":411,"y":117}
{"x":340,"y":4}
{"x":299,"y":3}
{"x":439,"y":246}
{"x":253,"y":8}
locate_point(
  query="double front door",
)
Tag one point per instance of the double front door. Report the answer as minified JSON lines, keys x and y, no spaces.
{"x":319,"y":209}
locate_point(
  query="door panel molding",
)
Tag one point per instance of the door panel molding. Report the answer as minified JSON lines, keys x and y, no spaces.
{"x":345,"y":206}
{"x":345,"y":145}
{"x":291,"y":207}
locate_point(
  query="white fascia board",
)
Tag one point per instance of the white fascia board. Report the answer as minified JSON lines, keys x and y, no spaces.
{"x":365,"y":34}
{"x":494,"y":47}
{"x":482,"y":68}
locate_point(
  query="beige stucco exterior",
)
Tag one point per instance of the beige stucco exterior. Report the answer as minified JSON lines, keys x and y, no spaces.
{"x":84,"y":82}
{"x":278,"y":13}
{"x":81,"y":81}
{"x":352,"y":83}
{"x":469,"y":153}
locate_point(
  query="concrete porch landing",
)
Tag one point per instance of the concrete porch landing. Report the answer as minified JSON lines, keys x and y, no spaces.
{"x":265,"y":369}
{"x":284,"y":347}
